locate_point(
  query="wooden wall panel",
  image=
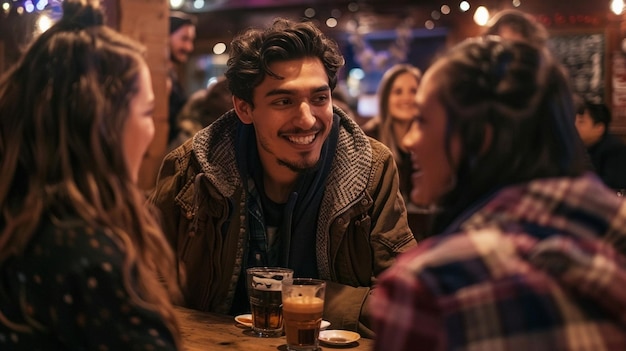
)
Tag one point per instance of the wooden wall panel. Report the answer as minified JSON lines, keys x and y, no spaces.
{"x":2,"y":57}
{"x":148,"y":22}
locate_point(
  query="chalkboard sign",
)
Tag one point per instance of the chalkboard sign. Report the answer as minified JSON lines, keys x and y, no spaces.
{"x":583,"y":56}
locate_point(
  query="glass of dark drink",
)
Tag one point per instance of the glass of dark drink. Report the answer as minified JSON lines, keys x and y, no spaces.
{"x":264,"y":289}
{"x":303,"y":305}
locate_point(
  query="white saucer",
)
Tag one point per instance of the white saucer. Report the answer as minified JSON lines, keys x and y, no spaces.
{"x":338,"y":337}
{"x":324,"y":325}
{"x":245,"y":319}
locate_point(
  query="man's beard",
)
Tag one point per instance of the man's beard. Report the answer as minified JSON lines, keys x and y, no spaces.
{"x":297,"y":168}
{"x":175,"y":59}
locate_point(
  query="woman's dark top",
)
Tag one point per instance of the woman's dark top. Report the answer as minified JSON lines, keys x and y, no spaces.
{"x":66,"y":292}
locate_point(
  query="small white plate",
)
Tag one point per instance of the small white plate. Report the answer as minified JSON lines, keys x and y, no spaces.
{"x":324,"y":325}
{"x":245,"y":319}
{"x":338,"y":337}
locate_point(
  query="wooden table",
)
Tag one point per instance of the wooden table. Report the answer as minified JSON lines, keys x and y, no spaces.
{"x":203,"y":331}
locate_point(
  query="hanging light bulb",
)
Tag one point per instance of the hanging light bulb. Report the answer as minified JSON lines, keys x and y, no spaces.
{"x":41,"y":4}
{"x":481,"y":16}
{"x":198,"y":4}
{"x":219,"y":48}
{"x":617,"y":6}
{"x":176,"y":4}
{"x":28,"y":5}
{"x":43,"y":23}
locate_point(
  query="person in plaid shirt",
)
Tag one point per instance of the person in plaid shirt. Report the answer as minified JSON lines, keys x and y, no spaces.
{"x":530,"y":255}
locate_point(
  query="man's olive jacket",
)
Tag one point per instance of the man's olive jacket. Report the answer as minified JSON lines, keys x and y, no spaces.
{"x":362,"y":222}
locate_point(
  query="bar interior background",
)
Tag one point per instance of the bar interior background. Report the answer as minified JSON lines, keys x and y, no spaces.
{"x":588,"y":36}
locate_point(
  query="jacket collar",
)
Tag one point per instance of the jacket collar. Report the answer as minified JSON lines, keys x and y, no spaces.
{"x":214,"y":148}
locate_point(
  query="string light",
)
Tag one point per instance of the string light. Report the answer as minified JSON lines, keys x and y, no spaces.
{"x":42,"y":5}
{"x":29,"y":6}
{"x":219,"y":48}
{"x":198,"y":4}
{"x":43,"y":23}
{"x":617,"y":6}
{"x":176,"y":4}
{"x":481,"y":16}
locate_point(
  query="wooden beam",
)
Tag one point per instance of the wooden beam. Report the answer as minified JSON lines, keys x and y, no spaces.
{"x":148,"y":22}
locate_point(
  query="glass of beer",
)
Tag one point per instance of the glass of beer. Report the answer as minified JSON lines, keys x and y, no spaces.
{"x":303,"y":305}
{"x":264,"y":291}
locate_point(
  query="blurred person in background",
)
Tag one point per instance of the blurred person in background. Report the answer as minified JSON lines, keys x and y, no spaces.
{"x":340,"y":100}
{"x":204,"y":107}
{"x":396,"y":111}
{"x":80,"y":255}
{"x":530,"y":252}
{"x":181,"y":43}
{"x":607,"y":151}
{"x":514,"y":24}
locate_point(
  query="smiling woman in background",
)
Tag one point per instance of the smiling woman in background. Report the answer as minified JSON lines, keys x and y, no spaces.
{"x":528,"y":255}
{"x":396,"y":110}
{"x":80,"y":254}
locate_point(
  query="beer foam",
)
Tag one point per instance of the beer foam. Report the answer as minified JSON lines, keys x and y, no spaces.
{"x":266,"y":284}
{"x":303,"y":304}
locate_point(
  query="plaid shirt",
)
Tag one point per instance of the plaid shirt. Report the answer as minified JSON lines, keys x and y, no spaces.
{"x":527,"y":271}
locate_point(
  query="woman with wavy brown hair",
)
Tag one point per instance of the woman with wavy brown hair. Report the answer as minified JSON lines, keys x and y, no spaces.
{"x":80,"y":254}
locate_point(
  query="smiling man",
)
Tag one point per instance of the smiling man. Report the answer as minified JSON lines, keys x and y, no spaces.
{"x":285,"y":179}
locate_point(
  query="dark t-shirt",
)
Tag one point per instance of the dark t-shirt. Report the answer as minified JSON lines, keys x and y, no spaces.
{"x":609,"y":161}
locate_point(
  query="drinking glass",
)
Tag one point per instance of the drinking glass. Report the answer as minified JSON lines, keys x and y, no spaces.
{"x":303,"y":305}
{"x":264,"y":291}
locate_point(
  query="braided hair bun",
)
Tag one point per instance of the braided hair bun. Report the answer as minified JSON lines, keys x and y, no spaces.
{"x":80,"y":14}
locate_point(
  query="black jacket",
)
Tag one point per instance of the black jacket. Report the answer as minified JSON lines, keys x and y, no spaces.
{"x":609,"y":161}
